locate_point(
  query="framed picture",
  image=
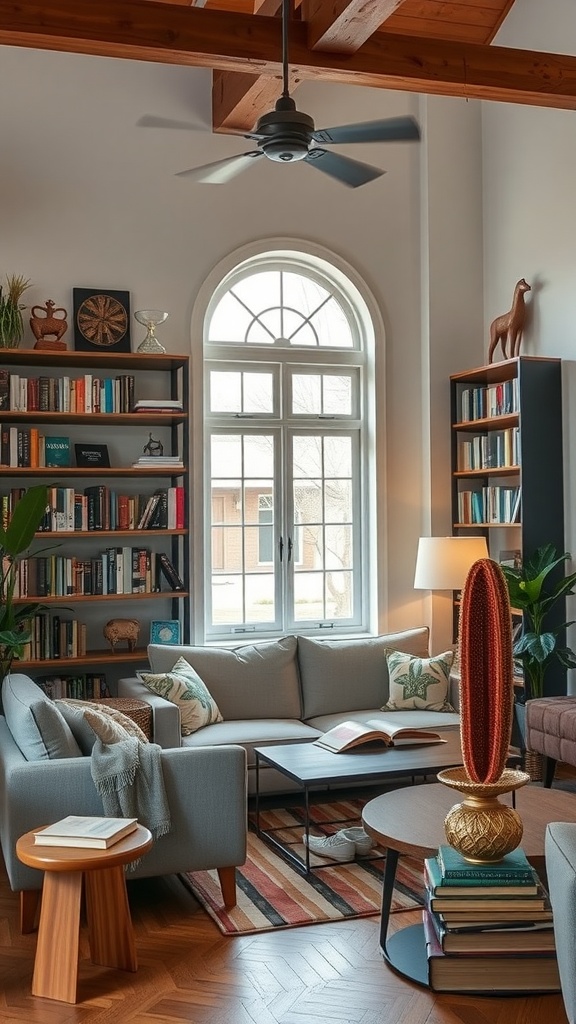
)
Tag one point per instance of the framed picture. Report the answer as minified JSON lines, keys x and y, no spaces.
{"x":92,"y":456}
{"x":101,"y":320}
{"x":165,"y":631}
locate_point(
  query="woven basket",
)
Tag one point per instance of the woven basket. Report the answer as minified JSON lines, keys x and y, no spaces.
{"x":138,"y":710}
{"x":534,"y":765}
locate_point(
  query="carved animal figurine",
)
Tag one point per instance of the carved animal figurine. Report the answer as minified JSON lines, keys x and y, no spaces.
{"x":116,"y":630}
{"x":43,"y":327}
{"x":507,"y":329}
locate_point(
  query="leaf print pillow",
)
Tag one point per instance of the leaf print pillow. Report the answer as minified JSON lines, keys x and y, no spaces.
{"x":183,"y":686}
{"x":418,"y":684}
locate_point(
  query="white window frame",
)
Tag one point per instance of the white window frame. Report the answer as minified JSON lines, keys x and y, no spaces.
{"x":373,"y":414}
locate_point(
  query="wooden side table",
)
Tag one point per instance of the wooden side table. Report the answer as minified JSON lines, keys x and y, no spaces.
{"x":107,"y":910}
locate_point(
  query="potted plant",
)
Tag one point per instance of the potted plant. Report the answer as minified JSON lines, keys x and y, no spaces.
{"x":11,"y":323}
{"x":535,"y":590}
{"x":14,"y":541}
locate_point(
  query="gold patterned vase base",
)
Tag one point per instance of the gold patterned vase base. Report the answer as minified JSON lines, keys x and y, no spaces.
{"x":481,"y":828}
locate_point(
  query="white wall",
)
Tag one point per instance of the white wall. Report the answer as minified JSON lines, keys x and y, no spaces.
{"x":89,"y":199}
{"x":529,"y":157}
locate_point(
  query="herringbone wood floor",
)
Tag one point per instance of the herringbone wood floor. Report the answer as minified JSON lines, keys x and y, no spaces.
{"x":188,"y":972}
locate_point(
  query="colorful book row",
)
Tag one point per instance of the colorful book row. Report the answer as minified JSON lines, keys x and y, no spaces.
{"x":481,"y":403}
{"x":489,"y":505}
{"x":85,"y":394}
{"x":122,"y":570}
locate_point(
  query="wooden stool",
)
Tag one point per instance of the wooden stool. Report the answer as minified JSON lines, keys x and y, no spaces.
{"x":107,"y":910}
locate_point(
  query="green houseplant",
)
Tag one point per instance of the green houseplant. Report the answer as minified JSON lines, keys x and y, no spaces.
{"x":535,"y":592}
{"x":11,"y":323}
{"x":14,"y":541}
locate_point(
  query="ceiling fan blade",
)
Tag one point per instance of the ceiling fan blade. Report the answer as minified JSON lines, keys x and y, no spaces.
{"x":349,"y":172}
{"x":150,"y":121}
{"x":221,"y":171}
{"x":392,"y":129}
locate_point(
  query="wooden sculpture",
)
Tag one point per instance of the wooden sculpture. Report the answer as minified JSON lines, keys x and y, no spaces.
{"x":49,"y":328}
{"x":507,"y":329}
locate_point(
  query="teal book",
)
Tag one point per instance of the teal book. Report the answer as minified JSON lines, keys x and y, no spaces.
{"x":457,"y":870}
{"x":57,"y":451}
{"x":478,"y":888}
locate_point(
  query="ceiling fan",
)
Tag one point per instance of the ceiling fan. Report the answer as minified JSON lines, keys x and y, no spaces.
{"x":286,"y":135}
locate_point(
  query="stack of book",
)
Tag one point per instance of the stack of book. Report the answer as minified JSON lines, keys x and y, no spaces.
{"x":170,"y":462}
{"x":488,"y":927}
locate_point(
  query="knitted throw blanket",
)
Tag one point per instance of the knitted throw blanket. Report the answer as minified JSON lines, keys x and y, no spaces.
{"x":128,"y":776}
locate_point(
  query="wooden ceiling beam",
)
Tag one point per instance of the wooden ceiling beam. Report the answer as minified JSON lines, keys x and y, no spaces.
{"x":200,"y":37}
{"x":344,"y":25}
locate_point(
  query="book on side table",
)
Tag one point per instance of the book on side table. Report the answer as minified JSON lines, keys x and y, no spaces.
{"x":92,"y":833}
{"x":351,"y":734}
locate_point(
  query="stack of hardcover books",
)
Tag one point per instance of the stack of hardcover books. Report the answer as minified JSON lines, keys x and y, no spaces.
{"x":488,"y":927}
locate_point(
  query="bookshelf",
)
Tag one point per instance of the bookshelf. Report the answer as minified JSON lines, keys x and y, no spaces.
{"x":507,"y":462}
{"x":97,"y":511}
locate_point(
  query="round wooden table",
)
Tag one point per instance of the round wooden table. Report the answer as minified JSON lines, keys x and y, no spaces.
{"x":411,"y":821}
{"x":107,"y":910}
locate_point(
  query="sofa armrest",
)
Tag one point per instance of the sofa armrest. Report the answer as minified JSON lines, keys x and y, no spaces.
{"x":165,"y":716}
{"x":560,"y":850}
{"x":205,"y":786}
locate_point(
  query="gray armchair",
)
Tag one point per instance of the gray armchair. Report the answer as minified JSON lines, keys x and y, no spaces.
{"x":206,"y":790}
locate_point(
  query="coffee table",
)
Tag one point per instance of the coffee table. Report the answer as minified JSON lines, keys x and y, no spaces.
{"x":411,"y":821}
{"x":312,"y":766}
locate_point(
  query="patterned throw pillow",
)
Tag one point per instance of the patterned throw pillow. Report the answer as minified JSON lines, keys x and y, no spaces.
{"x":184,"y":687}
{"x":102,"y":723}
{"x":418,"y":683}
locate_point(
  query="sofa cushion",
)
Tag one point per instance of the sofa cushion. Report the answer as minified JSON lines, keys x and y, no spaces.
{"x":418,"y":683}
{"x":252,"y":681}
{"x":183,"y":686}
{"x":350,"y":675}
{"x":85,"y":729}
{"x":254,"y":733}
{"x":35,"y":722}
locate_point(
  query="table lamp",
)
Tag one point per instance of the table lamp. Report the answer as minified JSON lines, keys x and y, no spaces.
{"x":443,"y":563}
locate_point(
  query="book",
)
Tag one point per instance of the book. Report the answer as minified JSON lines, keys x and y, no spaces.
{"x":93,"y":833}
{"x":88,"y":455}
{"x":346,"y":735}
{"x":456,"y":870}
{"x":478,"y":887}
{"x":479,"y":903}
{"x":480,"y":917}
{"x":516,"y":937}
{"x":173,"y":404}
{"x":495,"y":972}
{"x":57,"y":451}
{"x":169,"y":572}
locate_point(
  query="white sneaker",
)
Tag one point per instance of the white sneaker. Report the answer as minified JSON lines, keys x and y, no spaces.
{"x":362,"y":841}
{"x":336,"y":847}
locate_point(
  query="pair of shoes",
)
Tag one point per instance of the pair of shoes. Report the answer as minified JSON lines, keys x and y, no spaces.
{"x":343,"y":845}
{"x":336,"y":847}
{"x":362,"y":841}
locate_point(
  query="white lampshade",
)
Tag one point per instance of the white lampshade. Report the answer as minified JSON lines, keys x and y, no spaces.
{"x":443,"y":563}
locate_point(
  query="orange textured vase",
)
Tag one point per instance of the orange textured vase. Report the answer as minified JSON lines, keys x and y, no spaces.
{"x":486,"y":672}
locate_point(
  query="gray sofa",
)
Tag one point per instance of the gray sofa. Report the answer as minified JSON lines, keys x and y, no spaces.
{"x":560,"y":851}
{"x":44,"y":776}
{"x":285,"y":691}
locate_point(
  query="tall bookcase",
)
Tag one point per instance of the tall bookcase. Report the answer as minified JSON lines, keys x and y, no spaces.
{"x":507,"y":462}
{"x":125,"y":434}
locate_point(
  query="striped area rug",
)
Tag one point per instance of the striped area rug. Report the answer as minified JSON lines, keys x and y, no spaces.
{"x":271,"y":894}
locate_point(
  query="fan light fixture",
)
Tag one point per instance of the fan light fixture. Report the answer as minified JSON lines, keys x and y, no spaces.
{"x":286,"y":135}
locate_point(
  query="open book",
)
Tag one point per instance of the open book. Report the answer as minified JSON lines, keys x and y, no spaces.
{"x":351,"y":734}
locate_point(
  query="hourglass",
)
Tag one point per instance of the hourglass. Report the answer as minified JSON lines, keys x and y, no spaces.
{"x":150,"y":318}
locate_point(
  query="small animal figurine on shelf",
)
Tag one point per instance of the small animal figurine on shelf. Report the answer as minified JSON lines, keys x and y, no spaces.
{"x":48,"y":325}
{"x":507,"y":329}
{"x":153,"y":447}
{"x":116,"y":630}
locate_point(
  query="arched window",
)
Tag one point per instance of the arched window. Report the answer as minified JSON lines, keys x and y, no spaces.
{"x":285,"y":355}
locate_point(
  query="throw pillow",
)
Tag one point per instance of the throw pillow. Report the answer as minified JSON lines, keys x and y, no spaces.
{"x":74,"y":712}
{"x":184,"y":687}
{"x":418,"y":683}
